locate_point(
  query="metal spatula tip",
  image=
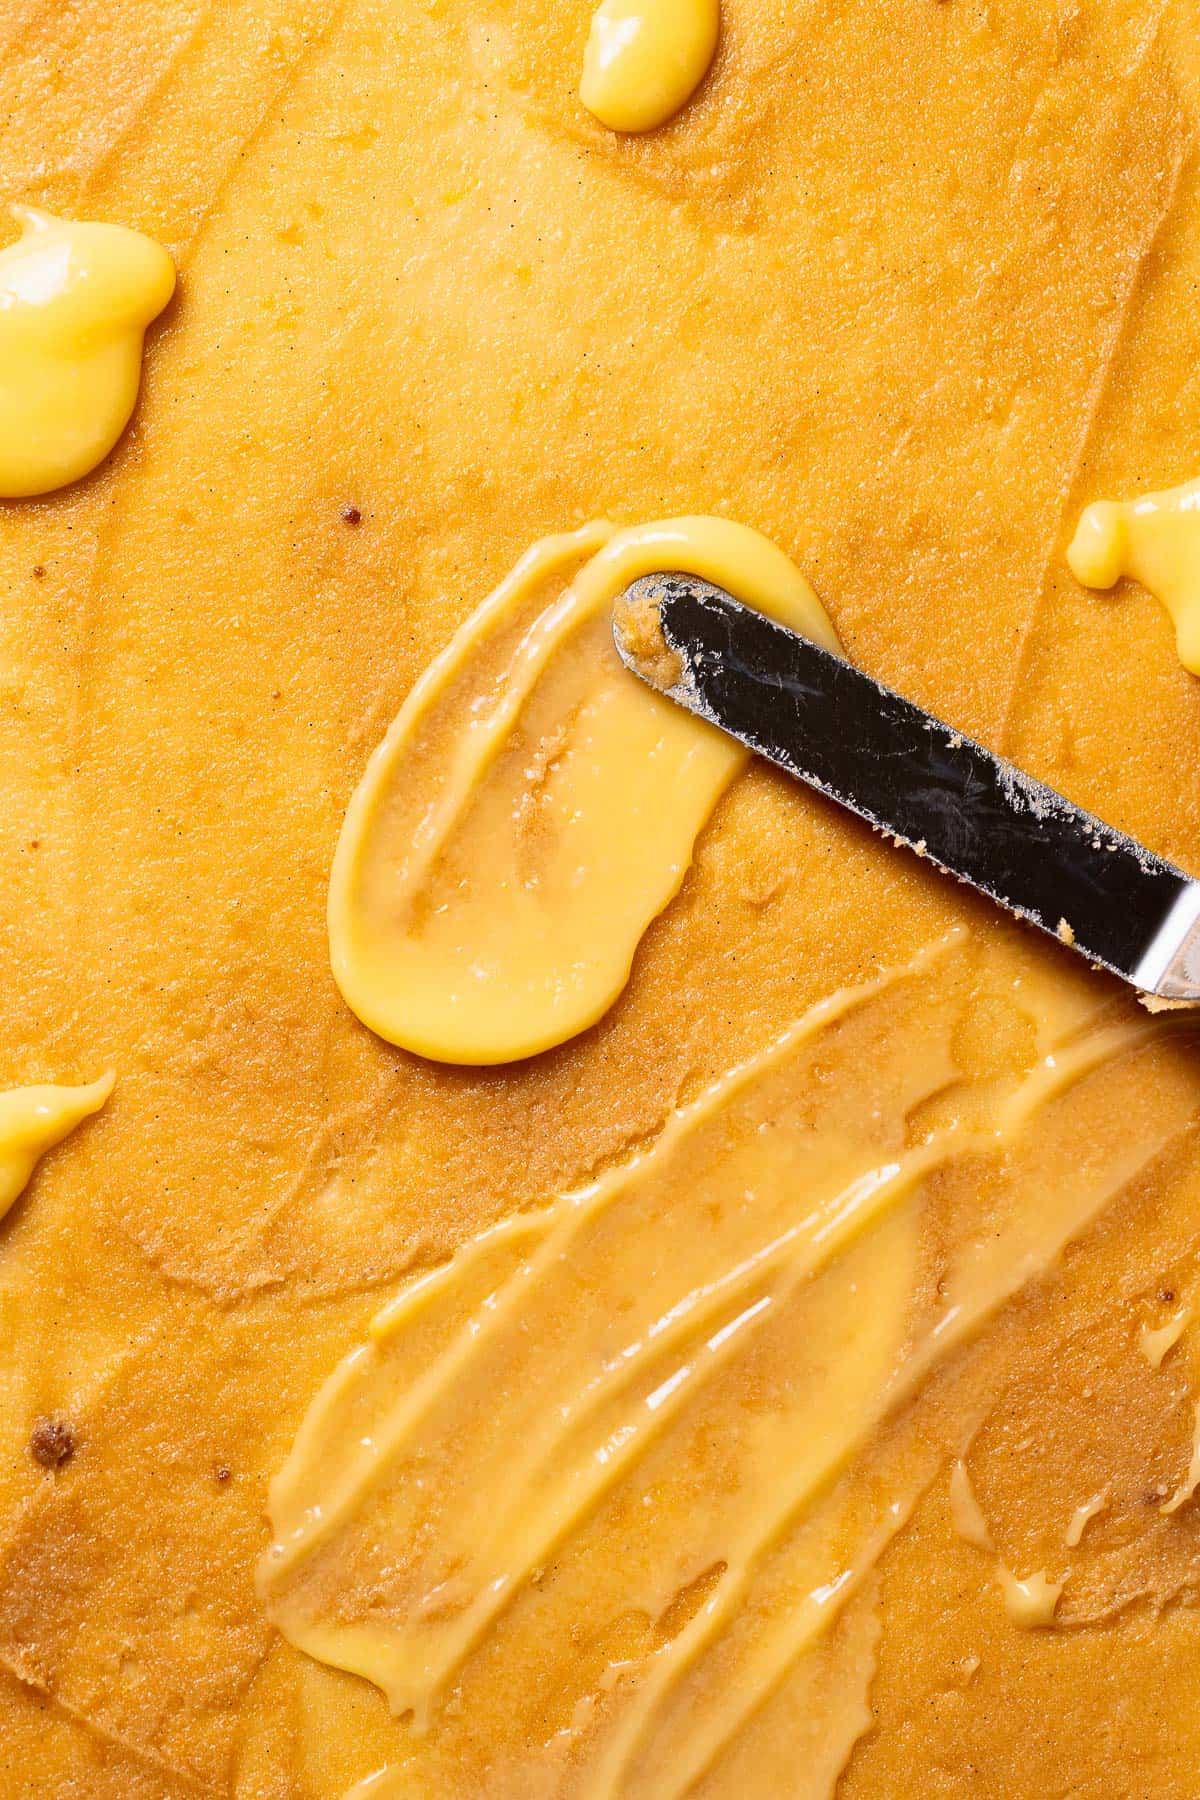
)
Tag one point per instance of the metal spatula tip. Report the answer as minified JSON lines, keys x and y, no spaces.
{"x":638,"y":631}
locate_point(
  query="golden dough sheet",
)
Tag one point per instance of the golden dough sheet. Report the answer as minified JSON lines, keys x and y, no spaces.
{"x":539,"y":1259}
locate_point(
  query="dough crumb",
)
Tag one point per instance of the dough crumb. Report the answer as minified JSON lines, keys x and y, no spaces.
{"x":639,"y":627}
{"x":52,"y":1443}
{"x":1156,"y":1003}
{"x":1064,"y":932}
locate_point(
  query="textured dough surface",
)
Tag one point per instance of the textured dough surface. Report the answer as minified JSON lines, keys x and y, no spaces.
{"x":904,"y":287}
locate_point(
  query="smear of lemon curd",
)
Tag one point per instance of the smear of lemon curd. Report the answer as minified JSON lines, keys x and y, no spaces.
{"x":33,"y":1120}
{"x":688,"y":1396}
{"x":75,"y":300}
{"x":1156,"y":540}
{"x":645,"y":59}
{"x":533,"y":806}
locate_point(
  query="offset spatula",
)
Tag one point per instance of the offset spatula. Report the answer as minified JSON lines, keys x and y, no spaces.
{"x":920,"y":782}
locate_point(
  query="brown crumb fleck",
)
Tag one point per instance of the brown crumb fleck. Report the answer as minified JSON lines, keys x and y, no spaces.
{"x":222,"y":1473}
{"x":639,"y":625}
{"x":35,"y":843}
{"x":1167,"y":1296}
{"x":51,"y":1443}
{"x":352,"y":515}
{"x":38,"y":572}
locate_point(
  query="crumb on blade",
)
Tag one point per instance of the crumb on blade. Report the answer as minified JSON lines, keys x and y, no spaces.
{"x":639,"y":627}
{"x":1157,"y":1003}
{"x":1064,"y":933}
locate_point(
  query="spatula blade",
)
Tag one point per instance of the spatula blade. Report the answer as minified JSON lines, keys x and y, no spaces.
{"x":922,"y":783}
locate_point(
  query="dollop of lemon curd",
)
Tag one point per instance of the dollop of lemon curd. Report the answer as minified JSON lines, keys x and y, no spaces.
{"x":645,"y":59}
{"x":75,"y":300}
{"x":1156,"y":541}
{"x":33,"y":1120}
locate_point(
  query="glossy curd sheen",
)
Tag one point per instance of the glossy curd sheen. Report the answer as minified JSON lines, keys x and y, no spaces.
{"x":782,"y":1379}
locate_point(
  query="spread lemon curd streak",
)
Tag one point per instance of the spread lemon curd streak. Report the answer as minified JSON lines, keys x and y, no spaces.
{"x":534,"y":806}
{"x":569,"y":1374}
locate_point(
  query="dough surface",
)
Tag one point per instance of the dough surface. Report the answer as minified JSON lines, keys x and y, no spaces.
{"x":904,"y":287}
